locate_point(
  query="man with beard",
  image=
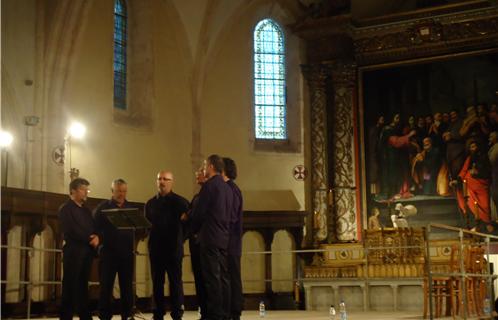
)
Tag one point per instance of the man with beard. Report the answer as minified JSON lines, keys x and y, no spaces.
{"x":81,"y":240}
{"x":455,"y":145}
{"x":395,"y":166}
{"x":475,"y":173}
{"x":426,"y":167}
{"x":165,"y":211}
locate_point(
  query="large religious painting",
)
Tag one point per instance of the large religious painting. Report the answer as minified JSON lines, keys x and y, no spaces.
{"x":431,"y":143}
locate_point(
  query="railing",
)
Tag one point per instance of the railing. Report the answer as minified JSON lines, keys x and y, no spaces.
{"x":298,"y":279}
{"x":463,"y":273}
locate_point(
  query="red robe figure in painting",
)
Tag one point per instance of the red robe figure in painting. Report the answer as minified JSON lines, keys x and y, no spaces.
{"x":475,"y":177}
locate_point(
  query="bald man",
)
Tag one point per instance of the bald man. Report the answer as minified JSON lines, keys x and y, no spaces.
{"x":164,"y":211}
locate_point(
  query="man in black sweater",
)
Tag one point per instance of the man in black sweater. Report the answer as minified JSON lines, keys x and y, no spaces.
{"x":195,"y":258}
{"x":235,"y":241}
{"x":116,"y":255}
{"x":211,"y":219}
{"x":81,"y":240}
{"x":165,"y":211}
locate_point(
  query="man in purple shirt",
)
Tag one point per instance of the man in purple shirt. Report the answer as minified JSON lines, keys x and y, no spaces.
{"x":235,"y":241}
{"x":81,"y":240}
{"x":211,"y":219}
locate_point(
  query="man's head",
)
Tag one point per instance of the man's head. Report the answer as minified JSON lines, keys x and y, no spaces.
{"x":420,"y":122}
{"x":428,"y":120}
{"x":453,"y":115}
{"x":164,"y":182}
{"x":427,"y":142}
{"x":396,"y":120}
{"x":446,"y":117}
{"x":438,"y":117}
{"x":380,"y":121}
{"x":473,"y":147}
{"x":119,"y":188}
{"x":471,"y":111}
{"x":200,"y":175}
{"x":411,"y":121}
{"x":213,"y":165}
{"x":230,"y":168}
{"x":375,"y":212}
{"x":482,"y":109}
{"x":78,"y":189}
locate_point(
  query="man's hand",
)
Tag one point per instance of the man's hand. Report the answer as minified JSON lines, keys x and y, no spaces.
{"x":447,"y":136}
{"x":94,"y":240}
{"x":184,"y":217}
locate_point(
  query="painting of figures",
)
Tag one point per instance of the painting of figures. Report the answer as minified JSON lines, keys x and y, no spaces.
{"x":431,"y":136}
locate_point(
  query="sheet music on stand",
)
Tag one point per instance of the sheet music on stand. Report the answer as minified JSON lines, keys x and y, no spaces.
{"x":129,"y":219}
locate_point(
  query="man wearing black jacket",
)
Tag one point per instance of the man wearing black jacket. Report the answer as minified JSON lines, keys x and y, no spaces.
{"x":211,"y":219}
{"x":116,"y":254}
{"x":81,"y":240}
{"x":195,"y":258}
{"x":235,"y":241}
{"x":164,"y":211}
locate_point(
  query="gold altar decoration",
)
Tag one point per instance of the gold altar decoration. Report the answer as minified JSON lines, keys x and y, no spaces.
{"x":384,"y":253}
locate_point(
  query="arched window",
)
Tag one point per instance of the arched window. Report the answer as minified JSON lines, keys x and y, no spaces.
{"x":120,"y":37}
{"x":269,"y":81}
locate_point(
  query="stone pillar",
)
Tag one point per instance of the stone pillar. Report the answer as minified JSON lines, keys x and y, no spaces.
{"x":316,"y":76}
{"x":343,"y":160}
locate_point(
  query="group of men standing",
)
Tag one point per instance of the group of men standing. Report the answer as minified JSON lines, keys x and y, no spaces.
{"x":212,"y":222}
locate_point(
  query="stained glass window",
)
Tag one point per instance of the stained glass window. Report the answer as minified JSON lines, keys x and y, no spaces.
{"x":269,"y":81}
{"x":120,"y":37}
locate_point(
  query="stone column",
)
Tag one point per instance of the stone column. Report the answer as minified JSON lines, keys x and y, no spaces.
{"x":343,"y":160}
{"x":316,"y":76}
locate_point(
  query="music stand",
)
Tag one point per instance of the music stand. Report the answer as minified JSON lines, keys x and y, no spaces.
{"x":128,"y":219}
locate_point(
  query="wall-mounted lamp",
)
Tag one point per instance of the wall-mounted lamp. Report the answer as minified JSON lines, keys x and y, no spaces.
{"x":75,"y":131}
{"x":6,"y":140}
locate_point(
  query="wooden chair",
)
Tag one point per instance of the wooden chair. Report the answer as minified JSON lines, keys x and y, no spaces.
{"x":445,"y":290}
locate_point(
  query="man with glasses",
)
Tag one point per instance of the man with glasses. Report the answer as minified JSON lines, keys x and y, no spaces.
{"x":81,"y":240}
{"x":116,"y":255}
{"x":164,"y":211}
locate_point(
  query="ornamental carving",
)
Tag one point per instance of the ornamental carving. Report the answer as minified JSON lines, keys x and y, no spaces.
{"x":344,"y":77}
{"x":316,"y":76}
{"x":403,"y":40}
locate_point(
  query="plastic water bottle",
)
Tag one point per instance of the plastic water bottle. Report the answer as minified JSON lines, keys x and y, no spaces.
{"x":199,"y":312}
{"x":332,"y":312}
{"x":487,"y":306}
{"x":342,"y":310}
{"x":262,"y":310}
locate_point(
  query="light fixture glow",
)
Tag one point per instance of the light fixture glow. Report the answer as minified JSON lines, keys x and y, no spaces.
{"x":6,"y":139}
{"x":77,"y":130}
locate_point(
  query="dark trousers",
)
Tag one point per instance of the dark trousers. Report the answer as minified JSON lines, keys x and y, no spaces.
{"x":200,"y":291}
{"x":110,"y":265}
{"x":173,"y":267}
{"x":236,"y":295}
{"x":77,"y":261}
{"x":215,"y":275}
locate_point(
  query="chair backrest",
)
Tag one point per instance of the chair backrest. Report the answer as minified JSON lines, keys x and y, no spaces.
{"x":477,"y":263}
